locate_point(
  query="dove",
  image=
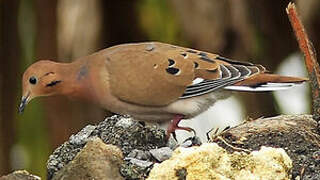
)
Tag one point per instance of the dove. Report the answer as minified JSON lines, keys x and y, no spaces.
{"x":150,"y":81}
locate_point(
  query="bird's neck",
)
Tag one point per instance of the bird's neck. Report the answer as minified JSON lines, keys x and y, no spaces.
{"x":76,"y":80}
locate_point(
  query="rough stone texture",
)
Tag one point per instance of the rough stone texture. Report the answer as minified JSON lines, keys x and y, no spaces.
{"x":209,"y":161}
{"x":161,"y":154}
{"x":118,"y":130}
{"x":140,"y":163}
{"x":96,"y":160}
{"x":297,"y":134}
{"x":20,"y":175}
{"x":139,"y":154}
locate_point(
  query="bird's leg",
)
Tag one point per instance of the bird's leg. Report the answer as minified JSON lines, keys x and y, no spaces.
{"x":174,"y":125}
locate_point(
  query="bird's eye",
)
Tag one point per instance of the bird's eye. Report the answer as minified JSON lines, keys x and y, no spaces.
{"x":33,"y":80}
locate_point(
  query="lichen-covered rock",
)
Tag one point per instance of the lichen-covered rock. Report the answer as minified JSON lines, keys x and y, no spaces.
{"x":209,"y":161}
{"x":298,"y":135}
{"x":20,"y":175}
{"x":96,"y":160}
{"x":118,"y":130}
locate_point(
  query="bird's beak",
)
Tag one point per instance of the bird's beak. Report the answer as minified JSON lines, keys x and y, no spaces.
{"x":24,"y":102}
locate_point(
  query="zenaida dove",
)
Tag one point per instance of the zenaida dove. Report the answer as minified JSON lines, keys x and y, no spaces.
{"x":150,"y":81}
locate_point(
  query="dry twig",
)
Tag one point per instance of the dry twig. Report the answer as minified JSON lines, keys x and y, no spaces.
{"x":310,"y":58}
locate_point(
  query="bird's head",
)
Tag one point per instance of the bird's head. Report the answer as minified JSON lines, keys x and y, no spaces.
{"x":40,"y":79}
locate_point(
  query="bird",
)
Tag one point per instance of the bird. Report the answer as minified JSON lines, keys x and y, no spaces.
{"x":150,"y":81}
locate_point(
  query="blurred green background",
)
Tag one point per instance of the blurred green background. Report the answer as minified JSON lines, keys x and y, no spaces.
{"x":63,"y":30}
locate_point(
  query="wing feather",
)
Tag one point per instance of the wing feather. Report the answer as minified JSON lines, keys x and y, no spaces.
{"x":230,"y":75}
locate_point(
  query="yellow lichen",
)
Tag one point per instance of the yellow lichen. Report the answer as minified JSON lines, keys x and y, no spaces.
{"x":209,"y":161}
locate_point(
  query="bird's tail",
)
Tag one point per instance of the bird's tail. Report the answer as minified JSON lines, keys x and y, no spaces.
{"x":266,"y":82}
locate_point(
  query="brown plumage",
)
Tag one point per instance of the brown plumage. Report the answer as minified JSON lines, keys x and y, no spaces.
{"x":151,"y":81}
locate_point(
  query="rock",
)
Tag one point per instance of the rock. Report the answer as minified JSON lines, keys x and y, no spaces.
{"x":20,"y":175}
{"x":96,"y":160}
{"x":191,"y":141}
{"x":140,"y":163}
{"x":118,"y":130}
{"x":81,"y":137}
{"x":161,"y":154}
{"x":139,"y":154}
{"x":135,"y":169}
{"x":172,"y":143}
{"x":299,"y":135}
{"x":209,"y":161}
{"x":124,"y":122}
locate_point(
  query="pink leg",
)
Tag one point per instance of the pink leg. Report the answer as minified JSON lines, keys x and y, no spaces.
{"x":174,"y":125}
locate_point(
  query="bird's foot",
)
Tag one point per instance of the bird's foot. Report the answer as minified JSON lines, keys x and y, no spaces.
{"x":174,"y":125}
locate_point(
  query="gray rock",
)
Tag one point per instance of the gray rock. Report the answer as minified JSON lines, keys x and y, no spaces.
{"x":139,"y":154}
{"x":125,"y":122}
{"x":161,"y":154}
{"x":81,"y":137}
{"x":140,"y":163}
{"x":96,"y":160}
{"x":20,"y":175}
{"x":128,"y":137}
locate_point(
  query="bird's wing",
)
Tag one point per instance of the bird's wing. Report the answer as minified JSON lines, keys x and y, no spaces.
{"x":156,"y":74}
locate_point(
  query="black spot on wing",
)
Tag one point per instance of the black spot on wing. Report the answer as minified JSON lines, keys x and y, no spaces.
{"x":53,"y":83}
{"x":231,"y":61}
{"x":204,"y":57}
{"x":184,"y":54}
{"x":171,"y":62}
{"x":172,"y":70}
{"x":196,"y":65}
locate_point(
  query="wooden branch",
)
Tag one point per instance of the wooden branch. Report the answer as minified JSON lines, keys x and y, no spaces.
{"x":310,"y":58}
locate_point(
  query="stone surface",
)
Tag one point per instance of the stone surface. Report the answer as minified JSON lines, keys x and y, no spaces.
{"x":20,"y":175}
{"x":161,"y":154}
{"x":298,"y":135}
{"x":96,"y":160}
{"x":118,"y":130}
{"x":81,"y":137}
{"x":209,"y":161}
{"x":140,"y":163}
{"x":139,"y":154}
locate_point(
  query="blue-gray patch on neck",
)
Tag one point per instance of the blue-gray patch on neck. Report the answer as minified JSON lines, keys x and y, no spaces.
{"x":83,"y":72}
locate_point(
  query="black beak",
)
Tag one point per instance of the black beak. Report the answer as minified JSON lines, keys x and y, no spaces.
{"x":24,"y":102}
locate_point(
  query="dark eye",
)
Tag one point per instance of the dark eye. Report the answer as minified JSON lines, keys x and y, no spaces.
{"x":33,"y":80}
